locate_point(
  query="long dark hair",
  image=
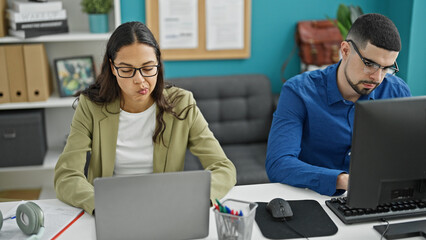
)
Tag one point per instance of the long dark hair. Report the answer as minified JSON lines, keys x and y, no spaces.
{"x":106,"y":89}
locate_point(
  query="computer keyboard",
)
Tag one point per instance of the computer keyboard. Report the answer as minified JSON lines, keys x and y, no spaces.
{"x":386,"y":211}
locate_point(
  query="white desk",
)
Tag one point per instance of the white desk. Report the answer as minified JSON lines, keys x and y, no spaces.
{"x":84,"y":228}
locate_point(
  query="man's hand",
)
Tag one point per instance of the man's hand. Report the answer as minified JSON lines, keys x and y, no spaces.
{"x":342,"y":181}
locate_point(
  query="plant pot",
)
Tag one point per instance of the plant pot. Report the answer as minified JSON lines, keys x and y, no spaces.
{"x":98,"y":23}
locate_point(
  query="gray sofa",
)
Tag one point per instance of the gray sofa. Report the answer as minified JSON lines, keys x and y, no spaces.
{"x":239,"y":111}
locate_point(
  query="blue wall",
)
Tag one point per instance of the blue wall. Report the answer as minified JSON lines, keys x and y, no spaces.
{"x":400,"y":13}
{"x":272,"y":38}
{"x":416,"y":73}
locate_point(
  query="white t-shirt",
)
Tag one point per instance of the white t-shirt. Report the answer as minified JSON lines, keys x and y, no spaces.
{"x":135,"y":148}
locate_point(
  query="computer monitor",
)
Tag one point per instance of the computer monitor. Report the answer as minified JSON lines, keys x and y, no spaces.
{"x":388,"y":156}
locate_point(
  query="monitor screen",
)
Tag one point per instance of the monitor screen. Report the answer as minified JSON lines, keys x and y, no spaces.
{"x":388,"y":156}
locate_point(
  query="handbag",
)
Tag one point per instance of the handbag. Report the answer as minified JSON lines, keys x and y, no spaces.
{"x":318,"y":42}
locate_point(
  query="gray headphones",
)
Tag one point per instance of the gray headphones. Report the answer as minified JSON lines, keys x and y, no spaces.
{"x":29,"y":216}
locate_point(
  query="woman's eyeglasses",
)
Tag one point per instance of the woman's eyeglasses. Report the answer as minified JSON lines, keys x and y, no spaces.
{"x":129,"y":72}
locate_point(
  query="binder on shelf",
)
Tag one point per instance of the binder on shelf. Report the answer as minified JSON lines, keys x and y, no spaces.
{"x":37,"y":72}
{"x":30,"y":7}
{"x":4,"y":82}
{"x":3,"y":22}
{"x":16,"y":73}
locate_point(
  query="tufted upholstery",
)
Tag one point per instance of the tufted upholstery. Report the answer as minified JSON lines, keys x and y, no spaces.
{"x":238,"y":109}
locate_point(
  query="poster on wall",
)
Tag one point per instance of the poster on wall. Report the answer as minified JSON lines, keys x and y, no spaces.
{"x":224,"y":24}
{"x":178,"y":21}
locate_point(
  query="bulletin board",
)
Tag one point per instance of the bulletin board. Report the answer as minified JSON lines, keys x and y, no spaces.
{"x":200,"y":52}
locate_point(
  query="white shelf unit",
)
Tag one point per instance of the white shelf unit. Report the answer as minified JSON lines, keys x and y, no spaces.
{"x":63,"y":37}
{"x":58,"y":112}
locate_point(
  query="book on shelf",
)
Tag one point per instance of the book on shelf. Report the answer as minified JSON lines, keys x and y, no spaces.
{"x":36,"y":16}
{"x":30,"y":33}
{"x":34,"y":19}
{"x":31,"y":7}
{"x":38,"y":24}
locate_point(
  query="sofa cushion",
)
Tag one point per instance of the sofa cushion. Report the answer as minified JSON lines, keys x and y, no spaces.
{"x":249,"y":160}
{"x":238,"y":109}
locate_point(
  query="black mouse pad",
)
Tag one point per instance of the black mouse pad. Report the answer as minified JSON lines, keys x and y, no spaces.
{"x":309,"y":219}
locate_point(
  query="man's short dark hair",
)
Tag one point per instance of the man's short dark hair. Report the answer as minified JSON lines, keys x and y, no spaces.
{"x":376,"y":29}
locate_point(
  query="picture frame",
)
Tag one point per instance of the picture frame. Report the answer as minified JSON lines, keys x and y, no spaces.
{"x":74,"y":74}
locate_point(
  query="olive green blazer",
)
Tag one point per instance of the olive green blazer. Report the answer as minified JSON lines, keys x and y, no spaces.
{"x":94,"y":129}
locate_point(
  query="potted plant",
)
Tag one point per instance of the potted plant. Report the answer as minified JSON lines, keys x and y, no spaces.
{"x":98,"y":14}
{"x":346,"y":15}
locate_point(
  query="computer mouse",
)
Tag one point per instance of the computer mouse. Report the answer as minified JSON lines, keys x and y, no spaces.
{"x":279,"y":209}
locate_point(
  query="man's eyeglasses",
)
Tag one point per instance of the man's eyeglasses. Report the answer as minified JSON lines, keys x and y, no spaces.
{"x":371,"y":67}
{"x":129,"y":72}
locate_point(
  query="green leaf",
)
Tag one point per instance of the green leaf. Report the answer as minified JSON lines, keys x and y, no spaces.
{"x":342,"y":12}
{"x":343,"y":30}
{"x":344,"y":16}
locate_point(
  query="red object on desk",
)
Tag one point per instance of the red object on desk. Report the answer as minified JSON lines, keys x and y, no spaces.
{"x":67,"y":226}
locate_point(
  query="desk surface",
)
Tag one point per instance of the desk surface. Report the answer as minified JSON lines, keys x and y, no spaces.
{"x":84,"y":228}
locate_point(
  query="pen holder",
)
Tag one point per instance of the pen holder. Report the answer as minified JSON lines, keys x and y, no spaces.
{"x":232,"y":227}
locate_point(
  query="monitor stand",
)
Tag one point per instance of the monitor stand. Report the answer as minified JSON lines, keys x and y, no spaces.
{"x":403,"y":230}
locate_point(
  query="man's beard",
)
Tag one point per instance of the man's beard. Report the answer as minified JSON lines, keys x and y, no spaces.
{"x":357,"y":87}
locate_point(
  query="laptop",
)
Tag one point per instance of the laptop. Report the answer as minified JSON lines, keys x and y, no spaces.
{"x":171,"y":205}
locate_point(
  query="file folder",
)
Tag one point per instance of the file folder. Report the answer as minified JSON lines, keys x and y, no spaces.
{"x":3,"y":21}
{"x":4,"y":82}
{"x":16,"y":73}
{"x":37,"y":72}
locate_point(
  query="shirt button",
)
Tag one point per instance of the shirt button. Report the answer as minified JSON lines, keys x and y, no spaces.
{"x":349,"y":153}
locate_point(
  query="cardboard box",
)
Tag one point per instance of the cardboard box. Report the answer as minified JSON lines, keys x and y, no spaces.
{"x":16,"y":73}
{"x":37,"y":72}
{"x":22,"y":137}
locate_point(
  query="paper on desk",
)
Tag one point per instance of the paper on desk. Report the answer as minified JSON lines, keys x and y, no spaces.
{"x":55,"y":219}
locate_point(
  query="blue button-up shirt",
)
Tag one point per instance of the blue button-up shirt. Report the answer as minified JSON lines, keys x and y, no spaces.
{"x":310,"y":139}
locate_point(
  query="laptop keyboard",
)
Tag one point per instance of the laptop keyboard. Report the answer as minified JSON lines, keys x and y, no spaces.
{"x":401,"y":209}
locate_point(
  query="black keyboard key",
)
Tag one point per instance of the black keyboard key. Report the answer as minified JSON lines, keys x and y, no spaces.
{"x":348,"y":213}
{"x":342,"y":208}
{"x":369,"y":211}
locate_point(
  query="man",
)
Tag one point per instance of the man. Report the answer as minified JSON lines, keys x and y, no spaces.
{"x":309,"y":143}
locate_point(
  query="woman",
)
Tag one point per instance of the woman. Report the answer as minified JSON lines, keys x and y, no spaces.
{"x":132,"y":123}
